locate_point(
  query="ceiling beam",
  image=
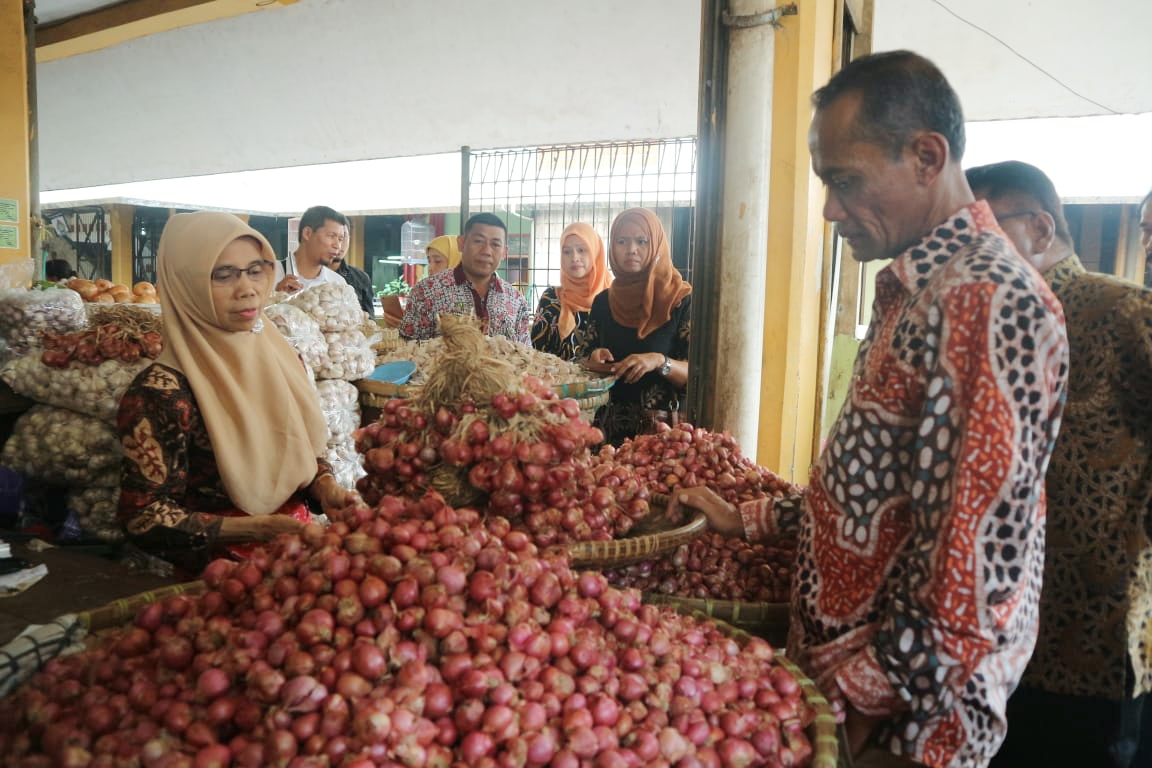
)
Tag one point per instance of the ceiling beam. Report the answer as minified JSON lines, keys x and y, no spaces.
{"x":131,"y":19}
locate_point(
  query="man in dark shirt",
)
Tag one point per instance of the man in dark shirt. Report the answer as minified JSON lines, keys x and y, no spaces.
{"x":357,"y":278}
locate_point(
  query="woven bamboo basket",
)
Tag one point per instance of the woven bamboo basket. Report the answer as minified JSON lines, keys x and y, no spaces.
{"x":373,"y":394}
{"x":25,"y":654}
{"x":121,"y":611}
{"x":822,"y":732}
{"x":585,"y":388}
{"x":827,"y":749}
{"x":766,"y":620}
{"x":592,"y":402}
{"x":642,"y":546}
{"x":591,"y":394}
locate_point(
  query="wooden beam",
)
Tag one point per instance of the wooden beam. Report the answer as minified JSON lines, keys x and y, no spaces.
{"x":132,"y":19}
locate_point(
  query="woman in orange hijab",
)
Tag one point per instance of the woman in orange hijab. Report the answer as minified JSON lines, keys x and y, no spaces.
{"x":563,"y":311}
{"x":638,"y":329}
{"x":222,"y":434}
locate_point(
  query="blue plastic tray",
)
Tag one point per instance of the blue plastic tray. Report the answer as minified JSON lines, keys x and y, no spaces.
{"x":396,"y":372}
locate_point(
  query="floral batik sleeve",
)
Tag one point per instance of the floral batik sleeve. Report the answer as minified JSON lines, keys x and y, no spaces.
{"x":587,"y":339}
{"x":545,"y":328}
{"x":155,"y":421}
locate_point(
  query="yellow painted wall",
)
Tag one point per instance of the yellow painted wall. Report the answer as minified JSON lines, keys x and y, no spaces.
{"x":792,"y":300}
{"x":15,"y":166}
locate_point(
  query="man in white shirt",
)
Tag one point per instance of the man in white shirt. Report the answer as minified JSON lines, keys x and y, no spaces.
{"x":323,"y":233}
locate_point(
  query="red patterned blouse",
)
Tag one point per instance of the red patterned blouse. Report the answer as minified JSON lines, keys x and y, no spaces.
{"x":921,"y":536}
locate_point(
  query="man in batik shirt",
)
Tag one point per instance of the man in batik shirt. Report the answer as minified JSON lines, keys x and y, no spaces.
{"x":921,"y":535}
{"x":1084,"y":691}
{"x":473,"y":287}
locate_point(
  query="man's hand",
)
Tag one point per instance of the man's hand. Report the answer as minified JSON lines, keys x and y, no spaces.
{"x":290,"y":284}
{"x":722,"y":517}
{"x":858,"y":730}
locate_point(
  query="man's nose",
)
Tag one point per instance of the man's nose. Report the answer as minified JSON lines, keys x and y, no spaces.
{"x":833,"y":210}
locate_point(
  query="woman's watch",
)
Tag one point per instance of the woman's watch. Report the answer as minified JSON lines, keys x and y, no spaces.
{"x":665,"y":367}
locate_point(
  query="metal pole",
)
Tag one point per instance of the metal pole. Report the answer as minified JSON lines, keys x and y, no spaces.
{"x":706,"y":230}
{"x":747,"y":125}
{"x":465,"y":174}
{"x":36,"y":251}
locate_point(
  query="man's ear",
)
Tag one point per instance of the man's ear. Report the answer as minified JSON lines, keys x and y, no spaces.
{"x":305,"y":233}
{"x":1044,"y":231}
{"x":930,"y":154}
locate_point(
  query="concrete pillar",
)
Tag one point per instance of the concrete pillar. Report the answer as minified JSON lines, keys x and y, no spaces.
{"x":744,"y":225}
{"x":16,"y":198}
{"x":796,"y":231}
{"x":122,"y":237}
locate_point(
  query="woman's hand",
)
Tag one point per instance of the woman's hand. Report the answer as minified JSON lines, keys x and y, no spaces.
{"x":722,"y":517}
{"x":262,"y":528}
{"x":599,"y":361}
{"x":331,"y":494}
{"x":634,"y":367}
{"x":601,"y":356}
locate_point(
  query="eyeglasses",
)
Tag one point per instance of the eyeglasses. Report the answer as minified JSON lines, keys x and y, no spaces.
{"x":257,"y":272}
{"x":1015,"y":214}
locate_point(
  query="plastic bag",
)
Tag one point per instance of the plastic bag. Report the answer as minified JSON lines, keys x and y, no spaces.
{"x":340,"y":403}
{"x":95,"y":509}
{"x":92,"y":390}
{"x":17,"y":274}
{"x":345,"y":461}
{"x":59,"y":446}
{"x":333,"y":305}
{"x":24,"y":315}
{"x":350,"y":357}
{"x":301,"y":331}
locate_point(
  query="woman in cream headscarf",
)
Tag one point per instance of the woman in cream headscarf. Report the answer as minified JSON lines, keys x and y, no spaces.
{"x":563,"y":311}
{"x":639,"y":329}
{"x":443,"y":253}
{"x":222,"y":434}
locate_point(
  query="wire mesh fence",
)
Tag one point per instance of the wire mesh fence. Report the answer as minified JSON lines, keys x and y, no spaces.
{"x":539,"y":191}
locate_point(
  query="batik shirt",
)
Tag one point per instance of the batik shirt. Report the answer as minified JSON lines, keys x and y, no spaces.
{"x":503,"y":312}
{"x":172,"y":500}
{"x":1097,"y":599}
{"x":921,"y":535}
{"x":546,"y":329}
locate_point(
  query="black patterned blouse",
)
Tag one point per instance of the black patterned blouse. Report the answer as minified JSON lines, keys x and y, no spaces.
{"x":633,"y":407}
{"x":546,"y":329}
{"x":172,"y":499}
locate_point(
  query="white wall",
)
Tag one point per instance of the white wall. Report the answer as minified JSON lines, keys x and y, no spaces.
{"x":1029,"y":58}
{"x":324,"y":81}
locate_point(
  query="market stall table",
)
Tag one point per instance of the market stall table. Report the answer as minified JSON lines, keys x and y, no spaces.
{"x":79,"y":579}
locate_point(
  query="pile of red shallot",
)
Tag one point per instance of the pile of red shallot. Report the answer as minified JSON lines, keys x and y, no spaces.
{"x":685,"y":456}
{"x":525,"y":451}
{"x":715,"y":567}
{"x":412,"y":634}
{"x":95,"y":344}
{"x":711,"y":566}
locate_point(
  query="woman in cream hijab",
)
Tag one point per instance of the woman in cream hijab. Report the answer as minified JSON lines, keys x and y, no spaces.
{"x":222,"y":434}
{"x":443,"y":253}
{"x":563,"y":311}
{"x":638,"y":330}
